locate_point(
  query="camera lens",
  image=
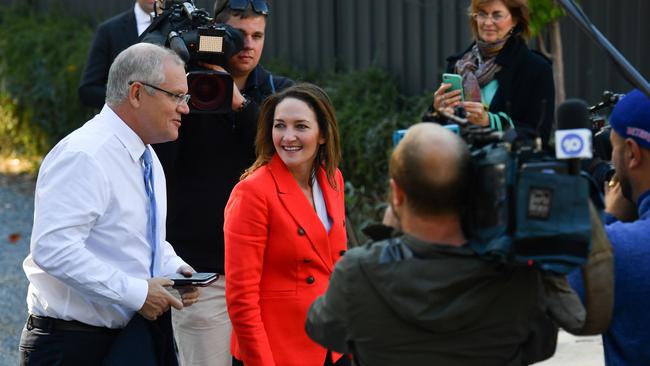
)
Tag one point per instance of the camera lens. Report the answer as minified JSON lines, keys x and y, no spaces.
{"x":210,"y":92}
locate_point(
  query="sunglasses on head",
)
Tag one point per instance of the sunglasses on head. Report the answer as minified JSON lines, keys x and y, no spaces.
{"x":259,"y":6}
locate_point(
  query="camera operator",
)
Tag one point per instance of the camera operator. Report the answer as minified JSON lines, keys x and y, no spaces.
{"x":202,"y":167}
{"x":628,"y":224}
{"x":424,"y":297}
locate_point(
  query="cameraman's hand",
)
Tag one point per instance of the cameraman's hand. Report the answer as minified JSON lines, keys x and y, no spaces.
{"x":476,"y":113}
{"x":158,"y":299}
{"x":446,"y":100}
{"x":616,"y":204}
{"x":237,"y":98}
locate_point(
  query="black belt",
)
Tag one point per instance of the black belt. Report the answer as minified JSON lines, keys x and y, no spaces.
{"x":52,"y":324}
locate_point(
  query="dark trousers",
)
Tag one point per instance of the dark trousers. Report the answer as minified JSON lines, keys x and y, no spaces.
{"x":343,"y":361}
{"x":141,"y":343}
{"x":63,"y":347}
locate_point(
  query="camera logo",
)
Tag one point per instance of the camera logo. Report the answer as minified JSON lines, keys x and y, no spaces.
{"x":539,"y":203}
{"x":575,"y":143}
{"x":571,"y":144}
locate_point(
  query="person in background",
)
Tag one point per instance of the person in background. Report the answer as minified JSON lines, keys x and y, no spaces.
{"x":506,"y":85}
{"x":425,"y":297}
{"x":98,"y":257}
{"x":284,"y":231}
{"x":627,"y":221}
{"x":202,"y":167}
{"x":111,"y":38}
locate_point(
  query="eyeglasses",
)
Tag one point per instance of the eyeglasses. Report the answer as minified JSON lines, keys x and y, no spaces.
{"x":259,"y":6}
{"x":496,"y":17}
{"x":180,"y":98}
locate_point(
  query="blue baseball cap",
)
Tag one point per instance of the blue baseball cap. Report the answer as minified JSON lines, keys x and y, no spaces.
{"x":631,"y":117}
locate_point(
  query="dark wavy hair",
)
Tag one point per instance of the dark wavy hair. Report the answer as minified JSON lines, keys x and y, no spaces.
{"x":329,"y":153}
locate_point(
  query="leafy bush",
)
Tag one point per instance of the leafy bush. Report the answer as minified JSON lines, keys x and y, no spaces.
{"x":17,"y":139}
{"x":369,"y":109}
{"x":42,"y":59}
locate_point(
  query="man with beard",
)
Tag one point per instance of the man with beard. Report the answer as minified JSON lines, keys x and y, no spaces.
{"x":628,"y":225}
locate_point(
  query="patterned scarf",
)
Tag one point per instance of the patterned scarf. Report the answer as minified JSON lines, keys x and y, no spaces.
{"x":478,"y":67}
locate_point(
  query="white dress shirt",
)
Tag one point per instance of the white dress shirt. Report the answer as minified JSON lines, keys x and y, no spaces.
{"x":142,"y":18}
{"x":321,"y":208}
{"x":90,"y":256}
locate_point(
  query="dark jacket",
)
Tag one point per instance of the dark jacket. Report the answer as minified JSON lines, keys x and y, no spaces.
{"x":203,"y":165}
{"x":526,"y":90}
{"x":406,"y":302}
{"x":112,"y":37}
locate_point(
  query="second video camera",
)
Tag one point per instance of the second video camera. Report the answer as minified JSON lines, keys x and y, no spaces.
{"x":194,"y":36}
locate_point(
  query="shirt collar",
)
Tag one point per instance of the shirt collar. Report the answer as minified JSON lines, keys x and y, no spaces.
{"x":142,"y":18}
{"x":129,"y":139}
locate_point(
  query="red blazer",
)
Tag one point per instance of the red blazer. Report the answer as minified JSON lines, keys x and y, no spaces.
{"x":279,"y":258}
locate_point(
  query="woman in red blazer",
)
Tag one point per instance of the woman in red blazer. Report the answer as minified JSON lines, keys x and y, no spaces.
{"x":284,"y":231}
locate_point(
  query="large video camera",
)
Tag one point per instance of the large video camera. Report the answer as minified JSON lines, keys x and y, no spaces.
{"x":523,"y":205}
{"x":194,"y":36}
{"x":601,"y":167}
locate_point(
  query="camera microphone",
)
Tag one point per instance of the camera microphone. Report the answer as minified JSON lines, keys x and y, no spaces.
{"x":177,"y":44}
{"x":573,"y":135}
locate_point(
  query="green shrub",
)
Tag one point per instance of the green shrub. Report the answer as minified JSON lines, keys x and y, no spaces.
{"x":17,"y":139}
{"x":42,"y":59}
{"x":369,"y":108}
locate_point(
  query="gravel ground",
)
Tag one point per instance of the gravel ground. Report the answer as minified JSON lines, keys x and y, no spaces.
{"x":16,"y":210}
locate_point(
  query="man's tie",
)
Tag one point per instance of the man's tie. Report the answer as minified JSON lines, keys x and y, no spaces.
{"x":152,"y":232}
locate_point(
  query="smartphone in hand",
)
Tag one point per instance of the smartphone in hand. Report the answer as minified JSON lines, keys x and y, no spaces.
{"x":456,"y":82}
{"x":200,"y":279}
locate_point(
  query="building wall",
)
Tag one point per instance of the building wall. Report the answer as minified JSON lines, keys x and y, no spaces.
{"x":412,"y":38}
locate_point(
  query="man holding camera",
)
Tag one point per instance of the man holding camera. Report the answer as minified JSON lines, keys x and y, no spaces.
{"x":425,"y":298}
{"x":627,"y":203}
{"x":202,"y":167}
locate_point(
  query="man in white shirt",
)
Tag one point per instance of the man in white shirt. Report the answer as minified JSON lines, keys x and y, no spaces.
{"x":111,"y":37}
{"x":98,"y":254}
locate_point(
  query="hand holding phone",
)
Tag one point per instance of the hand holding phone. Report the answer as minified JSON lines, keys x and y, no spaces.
{"x":456,"y":82}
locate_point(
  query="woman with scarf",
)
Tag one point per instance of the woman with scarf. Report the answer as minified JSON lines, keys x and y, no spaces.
{"x":506,"y":85}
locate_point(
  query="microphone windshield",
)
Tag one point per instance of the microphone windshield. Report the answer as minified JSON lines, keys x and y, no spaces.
{"x":573,"y":114}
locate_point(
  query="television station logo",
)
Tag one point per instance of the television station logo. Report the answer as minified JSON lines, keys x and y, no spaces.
{"x":574,"y":143}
